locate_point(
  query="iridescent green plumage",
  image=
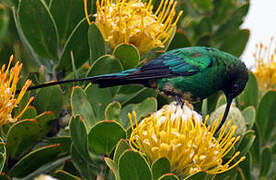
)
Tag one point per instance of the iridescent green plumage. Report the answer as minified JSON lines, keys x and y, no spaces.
{"x":193,"y":73}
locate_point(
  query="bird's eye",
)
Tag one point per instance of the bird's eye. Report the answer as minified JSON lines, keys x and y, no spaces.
{"x":235,"y":87}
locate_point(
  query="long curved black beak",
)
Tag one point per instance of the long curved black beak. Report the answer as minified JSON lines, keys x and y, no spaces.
{"x":229,"y":102}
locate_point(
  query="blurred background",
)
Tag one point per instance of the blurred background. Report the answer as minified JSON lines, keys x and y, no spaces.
{"x":260,"y":21}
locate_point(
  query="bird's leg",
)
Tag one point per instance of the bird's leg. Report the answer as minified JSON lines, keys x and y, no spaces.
{"x":179,"y":100}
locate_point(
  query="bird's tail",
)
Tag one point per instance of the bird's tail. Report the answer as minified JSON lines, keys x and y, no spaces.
{"x":115,"y":79}
{"x":106,"y":80}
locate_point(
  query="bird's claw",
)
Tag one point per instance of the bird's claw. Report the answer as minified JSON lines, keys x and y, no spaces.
{"x":179,"y":100}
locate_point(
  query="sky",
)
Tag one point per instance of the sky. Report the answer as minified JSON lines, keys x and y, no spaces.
{"x":261,"y":20}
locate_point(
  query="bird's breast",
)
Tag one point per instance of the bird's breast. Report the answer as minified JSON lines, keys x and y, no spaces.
{"x":195,"y":87}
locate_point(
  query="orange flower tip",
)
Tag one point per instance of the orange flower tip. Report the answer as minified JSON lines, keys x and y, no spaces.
{"x":86,"y":66}
{"x":169,"y":174}
{"x":31,"y":99}
{"x":49,"y":112}
{"x":11,"y":57}
{"x":73,"y":88}
{"x":52,"y":145}
{"x":130,"y":149}
{"x":28,"y":82}
{"x":243,"y":158}
{"x":120,"y":141}
{"x":108,"y":120}
{"x":160,"y":51}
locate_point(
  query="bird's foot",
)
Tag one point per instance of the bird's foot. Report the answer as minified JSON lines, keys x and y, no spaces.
{"x":179,"y":100}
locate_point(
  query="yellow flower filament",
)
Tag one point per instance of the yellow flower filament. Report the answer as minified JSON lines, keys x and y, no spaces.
{"x":265,"y":65}
{"x":187,"y":142}
{"x":8,"y":83}
{"x":130,"y":21}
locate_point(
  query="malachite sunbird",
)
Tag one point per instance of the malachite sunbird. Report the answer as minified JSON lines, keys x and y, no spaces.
{"x":192,"y":73}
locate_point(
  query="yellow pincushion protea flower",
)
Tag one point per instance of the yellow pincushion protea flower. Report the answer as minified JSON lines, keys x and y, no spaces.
{"x":265,"y":65}
{"x":8,"y":82}
{"x":188,"y":143}
{"x":131,"y":21}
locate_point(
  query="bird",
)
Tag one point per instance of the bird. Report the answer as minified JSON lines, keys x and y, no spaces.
{"x":191,"y":73}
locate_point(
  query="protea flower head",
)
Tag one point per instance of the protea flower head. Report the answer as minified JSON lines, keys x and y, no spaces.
{"x":131,"y":21}
{"x":9,"y":78}
{"x":178,"y":134}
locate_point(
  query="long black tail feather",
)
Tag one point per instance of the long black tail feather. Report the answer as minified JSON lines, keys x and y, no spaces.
{"x":102,"y":80}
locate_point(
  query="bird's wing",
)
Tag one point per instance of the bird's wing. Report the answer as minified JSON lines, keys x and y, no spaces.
{"x":174,"y":63}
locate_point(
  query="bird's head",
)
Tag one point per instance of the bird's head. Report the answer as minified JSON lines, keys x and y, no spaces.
{"x":237,"y":77}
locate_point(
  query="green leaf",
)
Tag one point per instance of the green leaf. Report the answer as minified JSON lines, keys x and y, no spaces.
{"x":203,"y":28}
{"x":67,"y":14}
{"x":168,"y":176}
{"x":3,"y":154}
{"x":202,"y":5}
{"x":121,"y":147}
{"x":96,"y":43}
{"x":79,"y":137}
{"x":61,"y":174}
{"x":222,"y":11}
{"x":4,"y":177}
{"x":34,"y":160}
{"x":229,"y":175}
{"x":249,"y":115}
{"x":137,"y":97}
{"x":64,"y":141}
{"x":86,"y":169}
{"x":246,"y":143}
{"x":180,"y":40}
{"x":105,"y":65}
{"x":133,"y":166}
{"x":221,"y":101}
{"x":49,"y":99}
{"x":149,"y":105}
{"x":45,"y":121}
{"x":256,"y":147}
{"x":81,"y":106}
{"x":4,"y":21}
{"x":24,"y":101}
{"x":232,"y":24}
{"x":250,"y":95}
{"x":212,"y":101}
{"x":128,"y":55}
{"x":201,"y":176}
{"x":99,"y":98}
{"x":236,"y":43}
{"x":76,"y":43}
{"x":104,"y":136}
{"x":43,"y":37}
{"x":266,"y":115}
{"x":204,"y":40}
{"x":21,"y":137}
{"x":30,"y":113}
{"x":167,"y":44}
{"x":246,"y":167}
{"x":160,"y":167}
{"x":112,"y":111}
{"x":266,"y":161}
{"x":113,"y":166}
